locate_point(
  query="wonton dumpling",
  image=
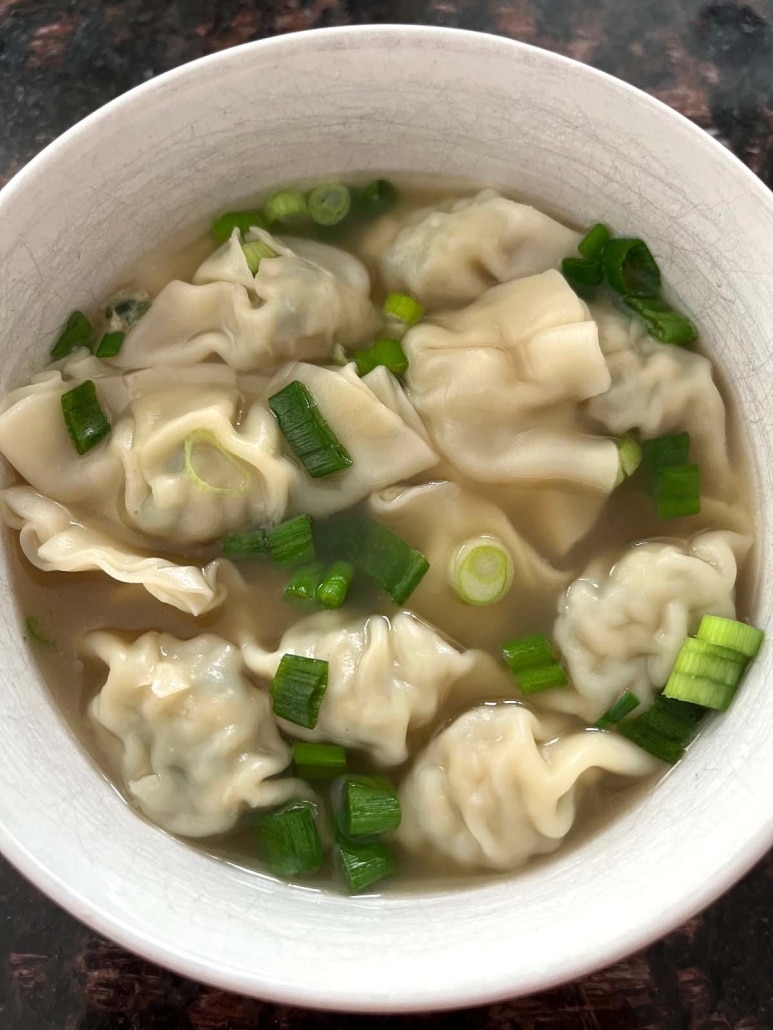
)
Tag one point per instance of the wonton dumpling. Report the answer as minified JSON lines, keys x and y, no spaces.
{"x":489,"y":793}
{"x":384,"y":448}
{"x":658,"y":389}
{"x":192,"y":474}
{"x":448,"y":258}
{"x":196,"y":741}
{"x":436,"y":518}
{"x":302,"y":309}
{"x":386,"y":677}
{"x":54,"y":540}
{"x":621,"y":628}
{"x":498,"y":385}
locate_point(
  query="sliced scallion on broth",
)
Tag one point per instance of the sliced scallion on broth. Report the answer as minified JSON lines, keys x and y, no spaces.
{"x":77,"y":332}
{"x":335,"y":583}
{"x":85,"y":421}
{"x":254,"y":252}
{"x":625,"y":704}
{"x":298,"y":688}
{"x":403,"y":307}
{"x":307,"y":432}
{"x":481,"y":570}
{"x":290,"y":840}
{"x":223,"y":227}
{"x":363,"y":865}
{"x":319,"y":761}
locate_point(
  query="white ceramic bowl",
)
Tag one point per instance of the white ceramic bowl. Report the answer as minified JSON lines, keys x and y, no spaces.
{"x":387,"y":100}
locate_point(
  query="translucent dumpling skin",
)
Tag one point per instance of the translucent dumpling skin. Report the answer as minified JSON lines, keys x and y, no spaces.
{"x":490,"y":792}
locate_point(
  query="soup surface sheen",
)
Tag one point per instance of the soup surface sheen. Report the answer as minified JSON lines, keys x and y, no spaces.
{"x":497,"y":454}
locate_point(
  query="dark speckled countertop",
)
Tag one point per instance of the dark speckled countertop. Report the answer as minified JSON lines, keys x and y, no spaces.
{"x":59,"y":60}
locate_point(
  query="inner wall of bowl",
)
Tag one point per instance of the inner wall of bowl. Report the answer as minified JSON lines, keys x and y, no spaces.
{"x":386,"y":101}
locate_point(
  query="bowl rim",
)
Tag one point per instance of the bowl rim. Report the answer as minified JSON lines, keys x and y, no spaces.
{"x":336,"y":998}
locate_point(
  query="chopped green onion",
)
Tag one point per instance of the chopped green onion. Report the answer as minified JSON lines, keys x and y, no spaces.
{"x":298,"y":688}
{"x":403,"y":307}
{"x":665,"y":451}
{"x":254,"y":252}
{"x":617,"y":711}
{"x":128,"y":311}
{"x":527,"y":652}
{"x":661,"y":320}
{"x":223,"y":227}
{"x":375,"y":199}
{"x":697,"y":658}
{"x":534,"y":663}
{"x":36,"y":632}
{"x":291,"y":542}
{"x":301,"y":588}
{"x":699,"y":690}
{"x":592,"y":244}
{"x":387,"y":352}
{"x":85,"y":420}
{"x":307,"y":432}
{"x":286,"y":207}
{"x":318,"y":761}
{"x":213,"y":469}
{"x":648,"y":738}
{"x":677,"y":491}
{"x":666,"y":729}
{"x":290,"y":839}
{"x":78,"y":332}
{"x":362,"y":865}
{"x":630,"y":454}
{"x":329,"y":204}
{"x":365,"y":806}
{"x":239,"y":546}
{"x":481,"y":570}
{"x":389,"y":561}
{"x":729,"y":633}
{"x":630,"y":268}
{"x":332,"y":591}
{"x":110,"y":345}
{"x":582,"y":273}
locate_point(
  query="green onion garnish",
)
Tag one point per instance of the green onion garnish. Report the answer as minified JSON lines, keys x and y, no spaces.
{"x":85,"y":420}
{"x":239,"y":546}
{"x":36,"y":632}
{"x":624,"y":705}
{"x":677,"y":491}
{"x":481,"y":571}
{"x":665,"y":451}
{"x":375,"y":199}
{"x":665,"y":730}
{"x":403,"y":307}
{"x":301,"y":588}
{"x":362,"y":865}
{"x":319,"y":761}
{"x":110,"y":345}
{"x":78,"y":332}
{"x":729,"y":633}
{"x":699,"y":658}
{"x":307,"y":432}
{"x":329,"y":204}
{"x":223,"y":226}
{"x":365,"y":806}
{"x":298,"y":688}
{"x":592,"y":245}
{"x":254,"y":252}
{"x":129,"y":311}
{"x":332,"y":591}
{"x":630,"y":268}
{"x":389,"y":561}
{"x":286,"y":207}
{"x":290,"y":839}
{"x":661,"y":320}
{"x":291,"y":542}
{"x":385,"y":352}
{"x":630,"y":453}
{"x":582,"y":273}
{"x":534,"y":663}
{"x":699,"y":690}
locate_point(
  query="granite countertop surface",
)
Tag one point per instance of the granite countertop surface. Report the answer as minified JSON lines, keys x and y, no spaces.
{"x":61,"y":59}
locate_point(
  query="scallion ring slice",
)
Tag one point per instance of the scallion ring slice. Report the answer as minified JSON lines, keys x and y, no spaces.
{"x":481,"y":570}
{"x":223,"y":227}
{"x":286,"y":207}
{"x":213,"y":469}
{"x":403,"y":307}
{"x":661,"y":320}
{"x":630,"y":452}
{"x":298,"y":688}
{"x":83,"y":417}
{"x":77,"y":332}
{"x":329,"y":204}
{"x":592,"y":244}
{"x":254,"y":252}
{"x":729,"y":633}
{"x":290,"y":840}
